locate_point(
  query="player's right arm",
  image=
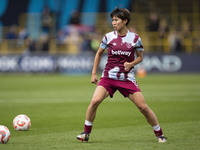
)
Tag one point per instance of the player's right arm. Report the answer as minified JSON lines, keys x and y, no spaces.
{"x":97,"y":60}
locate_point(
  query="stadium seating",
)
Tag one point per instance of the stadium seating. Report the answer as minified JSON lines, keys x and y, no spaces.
{"x":177,"y":21}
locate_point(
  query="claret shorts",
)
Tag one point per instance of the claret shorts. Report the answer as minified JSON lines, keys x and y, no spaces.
{"x":124,"y":87}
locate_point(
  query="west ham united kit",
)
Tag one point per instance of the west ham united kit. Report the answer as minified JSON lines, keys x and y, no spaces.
{"x":121,"y":49}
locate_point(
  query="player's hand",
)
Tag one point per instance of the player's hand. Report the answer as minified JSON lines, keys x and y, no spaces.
{"x":94,"y":79}
{"x":127,"y":66}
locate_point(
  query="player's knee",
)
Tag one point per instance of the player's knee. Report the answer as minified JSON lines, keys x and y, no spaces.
{"x":144,"y":109}
{"x":95,"y":103}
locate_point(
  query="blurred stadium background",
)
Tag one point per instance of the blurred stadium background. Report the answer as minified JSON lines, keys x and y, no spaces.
{"x":40,"y":40}
{"x":63,"y":35}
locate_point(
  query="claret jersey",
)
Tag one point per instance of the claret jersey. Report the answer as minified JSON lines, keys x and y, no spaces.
{"x":121,"y":49}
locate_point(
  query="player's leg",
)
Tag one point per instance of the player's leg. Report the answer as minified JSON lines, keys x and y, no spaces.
{"x":138,"y":99}
{"x":99,"y":95}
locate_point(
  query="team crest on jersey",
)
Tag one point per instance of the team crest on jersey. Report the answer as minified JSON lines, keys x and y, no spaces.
{"x":128,"y":45}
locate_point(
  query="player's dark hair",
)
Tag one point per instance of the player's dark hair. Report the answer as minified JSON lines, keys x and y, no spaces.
{"x":121,"y":13}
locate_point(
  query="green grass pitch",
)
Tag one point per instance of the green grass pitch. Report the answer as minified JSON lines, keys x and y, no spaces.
{"x":56,"y":105}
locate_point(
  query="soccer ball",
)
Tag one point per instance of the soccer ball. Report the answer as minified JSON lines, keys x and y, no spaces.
{"x":4,"y":134}
{"x":21,"y":123}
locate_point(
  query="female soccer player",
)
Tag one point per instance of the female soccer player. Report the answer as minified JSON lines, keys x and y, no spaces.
{"x":118,"y":73}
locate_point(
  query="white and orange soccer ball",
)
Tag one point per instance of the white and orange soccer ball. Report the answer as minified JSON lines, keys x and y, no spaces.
{"x":21,"y":123}
{"x":4,"y":134}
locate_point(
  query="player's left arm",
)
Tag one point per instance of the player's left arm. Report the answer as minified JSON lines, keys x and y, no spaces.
{"x":129,"y":65}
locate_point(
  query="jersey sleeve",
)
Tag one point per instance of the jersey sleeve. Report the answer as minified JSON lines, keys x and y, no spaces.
{"x":104,"y":43}
{"x":139,"y":46}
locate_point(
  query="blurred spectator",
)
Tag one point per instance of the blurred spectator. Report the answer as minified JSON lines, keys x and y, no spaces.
{"x":81,"y":35}
{"x":186,"y":29}
{"x":175,"y":41}
{"x":73,"y":41}
{"x":153,"y":22}
{"x":47,"y":19}
{"x":31,"y":46}
{"x":12,"y":33}
{"x":95,"y":44}
{"x":96,"y":40}
{"x":86,"y":44}
{"x":196,"y":45}
{"x":60,"y":37}
{"x":23,"y":35}
{"x":43,"y":43}
{"x":132,"y":29}
{"x":12,"y":36}
{"x":75,"y":18}
{"x":163,"y":28}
